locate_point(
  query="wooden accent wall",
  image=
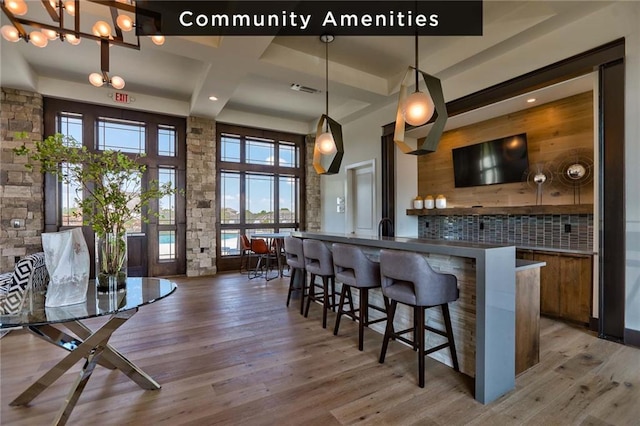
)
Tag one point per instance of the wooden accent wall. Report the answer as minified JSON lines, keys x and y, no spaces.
{"x":553,"y":130}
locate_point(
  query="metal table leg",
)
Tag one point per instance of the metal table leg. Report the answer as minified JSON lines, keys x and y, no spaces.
{"x":95,"y":349}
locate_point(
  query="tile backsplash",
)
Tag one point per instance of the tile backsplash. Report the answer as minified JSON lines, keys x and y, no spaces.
{"x":561,"y":231}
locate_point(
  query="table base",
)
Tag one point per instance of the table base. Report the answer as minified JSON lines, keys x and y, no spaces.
{"x":94,"y":349}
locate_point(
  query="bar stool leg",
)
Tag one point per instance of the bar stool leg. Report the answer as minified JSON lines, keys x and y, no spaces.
{"x":363,"y":316}
{"x":420,"y":311}
{"x":388,"y":332}
{"x":449,"y":329}
{"x":311,"y":294}
{"x":333,"y":294}
{"x":291,"y":280}
{"x":325,"y":302}
{"x":343,"y":292}
{"x":303,"y":290}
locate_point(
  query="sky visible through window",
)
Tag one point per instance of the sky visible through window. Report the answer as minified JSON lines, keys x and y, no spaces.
{"x":260,"y":189}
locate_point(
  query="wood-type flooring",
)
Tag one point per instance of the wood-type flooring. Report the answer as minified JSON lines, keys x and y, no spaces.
{"x":227,"y":351}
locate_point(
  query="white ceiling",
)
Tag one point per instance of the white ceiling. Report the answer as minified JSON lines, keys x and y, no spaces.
{"x":254,"y":74}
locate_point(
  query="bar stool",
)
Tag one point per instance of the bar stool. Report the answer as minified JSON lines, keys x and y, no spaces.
{"x":319,"y":263}
{"x":408,"y":278}
{"x":293,"y":250}
{"x":354,"y":269}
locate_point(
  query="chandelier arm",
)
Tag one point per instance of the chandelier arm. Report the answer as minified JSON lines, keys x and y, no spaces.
{"x":104,"y":56}
{"x":114,"y":18}
{"x":76,"y":18}
{"x":51,"y":11}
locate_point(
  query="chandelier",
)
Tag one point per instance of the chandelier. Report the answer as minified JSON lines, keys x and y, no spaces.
{"x":64,"y":25}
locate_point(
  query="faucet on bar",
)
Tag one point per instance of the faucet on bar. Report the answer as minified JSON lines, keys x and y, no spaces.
{"x":383,"y":220}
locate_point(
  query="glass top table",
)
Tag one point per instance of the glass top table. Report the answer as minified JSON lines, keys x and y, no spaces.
{"x":91,"y":345}
{"x":138,"y":292}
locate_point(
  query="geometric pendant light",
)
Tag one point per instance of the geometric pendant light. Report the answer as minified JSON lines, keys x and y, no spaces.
{"x":418,"y":108}
{"x":328,"y":131}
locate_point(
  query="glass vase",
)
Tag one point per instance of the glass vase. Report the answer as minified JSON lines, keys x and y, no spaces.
{"x":111,"y":261}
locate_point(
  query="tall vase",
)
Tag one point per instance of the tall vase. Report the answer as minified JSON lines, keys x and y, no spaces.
{"x":111,"y":261}
{"x":67,"y":260}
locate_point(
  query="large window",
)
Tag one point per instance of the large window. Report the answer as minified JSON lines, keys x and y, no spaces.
{"x":260,"y":176}
{"x":157,"y":246}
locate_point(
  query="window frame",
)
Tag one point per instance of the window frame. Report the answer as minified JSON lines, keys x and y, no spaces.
{"x":243,"y":168}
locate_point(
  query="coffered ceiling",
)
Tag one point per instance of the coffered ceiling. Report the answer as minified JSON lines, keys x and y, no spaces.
{"x":254,"y":74}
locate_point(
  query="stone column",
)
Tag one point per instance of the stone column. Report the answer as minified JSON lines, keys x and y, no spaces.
{"x":312,"y":205}
{"x":201,"y":197}
{"x":21,"y":190}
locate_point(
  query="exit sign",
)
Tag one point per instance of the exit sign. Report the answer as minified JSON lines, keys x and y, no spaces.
{"x":122,"y":98}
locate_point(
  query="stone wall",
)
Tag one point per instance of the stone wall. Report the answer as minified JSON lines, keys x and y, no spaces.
{"x":21,"y":191}
{"x":312,"y":205}
{"x":201,"y":197}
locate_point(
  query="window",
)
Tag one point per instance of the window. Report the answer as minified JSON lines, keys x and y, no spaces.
{"x":157,"y":245}
{"x":260,"y":179}
{"x":167,"y":141}
{"x":121,"y":135}
{"x":70,"y":125}
{"x":71,"y":192}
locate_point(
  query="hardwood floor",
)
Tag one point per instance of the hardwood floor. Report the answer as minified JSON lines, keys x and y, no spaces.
{"x":227,"y":351}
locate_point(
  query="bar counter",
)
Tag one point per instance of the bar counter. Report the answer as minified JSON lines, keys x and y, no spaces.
{"x":485,"y":319}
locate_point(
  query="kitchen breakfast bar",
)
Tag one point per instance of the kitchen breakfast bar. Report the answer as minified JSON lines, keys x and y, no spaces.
{"x":484,"y":317}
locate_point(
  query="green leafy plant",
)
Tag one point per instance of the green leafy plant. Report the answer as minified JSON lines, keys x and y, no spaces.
{"x":110,"y":179}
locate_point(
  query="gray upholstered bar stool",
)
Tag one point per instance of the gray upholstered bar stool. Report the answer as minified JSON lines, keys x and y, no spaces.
{"x":319,"y":263}
{"x":354,"y":269}
{"x":295,"y":259}
{"x":408,"y":278}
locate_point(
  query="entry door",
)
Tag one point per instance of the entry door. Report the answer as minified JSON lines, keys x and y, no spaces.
{"x":361,"y":198}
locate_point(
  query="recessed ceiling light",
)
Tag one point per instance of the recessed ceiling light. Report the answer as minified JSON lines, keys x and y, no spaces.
{"x":213,"y":98}
{"x":531,"y":100}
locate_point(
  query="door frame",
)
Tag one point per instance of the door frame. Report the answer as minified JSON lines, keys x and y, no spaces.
{"x":351,"y":170}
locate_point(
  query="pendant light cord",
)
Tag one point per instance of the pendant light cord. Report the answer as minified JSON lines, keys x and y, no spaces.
{"x":326,"y":83}
{"x":416,"y":44}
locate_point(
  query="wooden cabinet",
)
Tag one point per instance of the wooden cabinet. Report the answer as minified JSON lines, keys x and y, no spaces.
{"x":566,"y":284}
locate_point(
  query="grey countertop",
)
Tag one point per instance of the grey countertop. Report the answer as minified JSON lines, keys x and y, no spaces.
{"x":420,"y":245}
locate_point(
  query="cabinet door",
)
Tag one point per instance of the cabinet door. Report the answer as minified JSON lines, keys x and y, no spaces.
{"x":549,"y":284}
{"x":576,"y":288}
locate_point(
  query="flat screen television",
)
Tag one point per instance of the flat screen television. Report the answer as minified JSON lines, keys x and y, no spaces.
{"x":501,"y":160}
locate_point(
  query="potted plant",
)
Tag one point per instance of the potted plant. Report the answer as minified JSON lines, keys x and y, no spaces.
{"x":112,"y":181}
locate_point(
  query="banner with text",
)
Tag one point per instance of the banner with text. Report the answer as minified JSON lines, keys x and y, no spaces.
{"x":303,"y":18}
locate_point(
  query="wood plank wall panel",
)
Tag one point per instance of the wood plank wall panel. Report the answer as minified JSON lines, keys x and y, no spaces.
{"x":553,"y":130}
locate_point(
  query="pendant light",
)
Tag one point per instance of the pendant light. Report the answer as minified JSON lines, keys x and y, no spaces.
{"x":329,"y":131}
{"x":419,"y":107}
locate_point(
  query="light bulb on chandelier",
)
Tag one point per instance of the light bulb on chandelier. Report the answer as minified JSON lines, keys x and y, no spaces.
{"x":50,"y":34}
{"x":38,"y":39}
{"x":124,"y":22}
{"x":117,"y":82}
{"x":158,"y":39}
{"x":17,"y":7}
{"x":96,"y":79}
{"x":72,"y":39}
{"x":10,"y":33}
{"x":70,"y":7}
{"x":101,"y":29}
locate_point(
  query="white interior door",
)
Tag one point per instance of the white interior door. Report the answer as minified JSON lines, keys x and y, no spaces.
{"x":361,"y":198}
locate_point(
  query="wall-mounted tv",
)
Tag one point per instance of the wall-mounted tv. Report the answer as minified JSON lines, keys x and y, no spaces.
{"x":501,"y":160}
